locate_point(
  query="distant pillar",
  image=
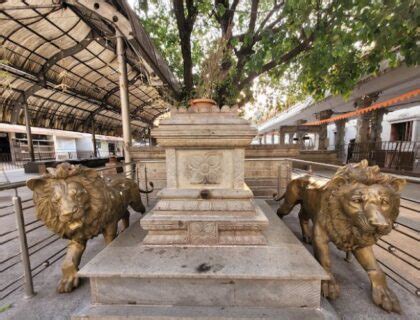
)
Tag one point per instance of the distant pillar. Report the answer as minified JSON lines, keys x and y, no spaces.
{"x":362,"y":128}
{"x":339,"y":137}
{"x":363,"y":122}
{"x":12,"y":143}
{"x":95,"y":151}
{"x":149,"y":136}
{"x":340,"y":126}
{"x":300,"y":132}
{"x":377,"y":117}
{"x":323,"y":133}
{"x":272,"y":137}
{"x":281,"y":137}
{"x":28,"y":130}
{"x":125,"y":112}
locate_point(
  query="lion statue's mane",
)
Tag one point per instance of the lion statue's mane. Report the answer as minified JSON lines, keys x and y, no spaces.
{"x":98,"y":213}
{"x":340,"y":227}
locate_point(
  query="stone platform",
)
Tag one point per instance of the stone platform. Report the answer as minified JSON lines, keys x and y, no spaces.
{"x":130,"y":280}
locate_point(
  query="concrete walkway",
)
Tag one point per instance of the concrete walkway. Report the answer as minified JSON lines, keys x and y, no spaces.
{"x":353,"y":303}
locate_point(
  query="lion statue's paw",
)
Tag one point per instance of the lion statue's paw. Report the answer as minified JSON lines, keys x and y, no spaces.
{"x":307,"y":239}
{"x":386,"y":299}
{"x":68,"y":283}
{"x":330,"y":288}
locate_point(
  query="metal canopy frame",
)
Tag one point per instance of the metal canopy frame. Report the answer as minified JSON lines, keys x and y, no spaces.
{"x":59,"y":58}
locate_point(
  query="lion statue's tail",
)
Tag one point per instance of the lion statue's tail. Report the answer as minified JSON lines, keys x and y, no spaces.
{"x":147,"y":190}
{"x":136,"y":203}
{"x":277,"y":197}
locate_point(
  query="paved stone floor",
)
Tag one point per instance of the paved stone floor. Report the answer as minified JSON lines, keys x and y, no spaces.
{"x":354,"y":302}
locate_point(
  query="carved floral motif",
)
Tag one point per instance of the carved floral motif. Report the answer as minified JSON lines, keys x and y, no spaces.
{"x":205,"y":168}
{"x":203,"y":232}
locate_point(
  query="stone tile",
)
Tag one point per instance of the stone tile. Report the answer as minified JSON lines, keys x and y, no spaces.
{"x":101,"y":312}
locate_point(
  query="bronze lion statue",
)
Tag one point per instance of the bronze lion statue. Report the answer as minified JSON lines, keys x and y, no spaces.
{"x":77,"y":204}
{"x":357,"y":206}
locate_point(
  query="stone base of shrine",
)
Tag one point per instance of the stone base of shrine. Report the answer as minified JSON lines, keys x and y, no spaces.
{"x":130,"y":280}
{"x":224,"y":217}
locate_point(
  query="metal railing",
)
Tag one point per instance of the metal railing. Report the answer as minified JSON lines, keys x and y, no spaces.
{"x":392,"y":155}
{"x":8,"y":162}
{"x":27,"y":247}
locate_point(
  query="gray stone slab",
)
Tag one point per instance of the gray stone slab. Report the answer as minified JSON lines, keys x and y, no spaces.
{"x":206,"y":292}
{"x":283,"y":258}
{"x":281,"y":274}
{"x":199,"y":313}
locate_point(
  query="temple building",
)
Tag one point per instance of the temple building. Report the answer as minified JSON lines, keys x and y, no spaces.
{"x":379,"y":121}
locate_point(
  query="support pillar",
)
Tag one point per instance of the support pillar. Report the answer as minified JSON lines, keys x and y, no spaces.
{"x":341,"y":130}
{"x":339,"y":139}
{"x":363,"y":136}
{"x":362,"y":128}
{"x":95,"y":151}
{"x":125,"y":112}
{"x":364,"y":120}
{"x":12,"y":143}
{"x":28,"y":130}
{"x":281,"y":137}
{"x":301,"y":133}
{"x":323,"y":133}
{"x":377,"y":117}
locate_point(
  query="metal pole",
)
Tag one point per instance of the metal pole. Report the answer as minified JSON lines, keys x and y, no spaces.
{"x":125,"y":112}
{"x":146,"y":184}
{"x":95,"y":152}
{"x":28,"y":130}
{"x":24,"y":252}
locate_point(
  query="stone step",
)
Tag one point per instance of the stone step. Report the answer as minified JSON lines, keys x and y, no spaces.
{"x":133,"y":312}
{"x":280,"y":274}
{"x":218,"y":292}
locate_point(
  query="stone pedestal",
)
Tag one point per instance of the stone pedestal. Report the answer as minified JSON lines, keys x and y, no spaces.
{"x":207,"y":249}
{"x":280,"y":280}
{"x":206,"y":201}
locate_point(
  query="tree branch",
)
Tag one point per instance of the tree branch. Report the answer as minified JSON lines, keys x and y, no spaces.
{"x":303,"y":46}
{"x":185,"y":26}
{"x":253,"y":16}
{"x":268,"y":16}
{"x":226,"y":20}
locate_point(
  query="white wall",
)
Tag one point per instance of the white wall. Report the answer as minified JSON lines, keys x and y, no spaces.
{"x":349,"y":132}
{"x":84,"y":144}
{"x":65,"y":148}
{"x":407,"y":114}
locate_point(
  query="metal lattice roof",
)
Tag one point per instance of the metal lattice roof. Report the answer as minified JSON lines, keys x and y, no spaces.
{"x":60,"y":57}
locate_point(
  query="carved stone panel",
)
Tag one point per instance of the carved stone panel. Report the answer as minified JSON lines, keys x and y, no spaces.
{"x":238,"y":168}
{"x":171,"y":168}
{"x":202,"y":232}
{"x":204,"y":169}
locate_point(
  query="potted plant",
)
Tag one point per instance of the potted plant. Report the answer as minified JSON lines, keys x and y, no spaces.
{"x":211,"y":77}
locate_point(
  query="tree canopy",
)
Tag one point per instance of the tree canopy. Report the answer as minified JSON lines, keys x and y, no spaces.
{"x":320,"y":46}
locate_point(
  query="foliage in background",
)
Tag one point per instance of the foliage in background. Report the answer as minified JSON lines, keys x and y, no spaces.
{"x":212,"y":73}
{"x":321,"y":46}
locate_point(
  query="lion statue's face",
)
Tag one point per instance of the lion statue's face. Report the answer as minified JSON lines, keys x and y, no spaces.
{"x":70,"y":199}
{"x":370,"y":208}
